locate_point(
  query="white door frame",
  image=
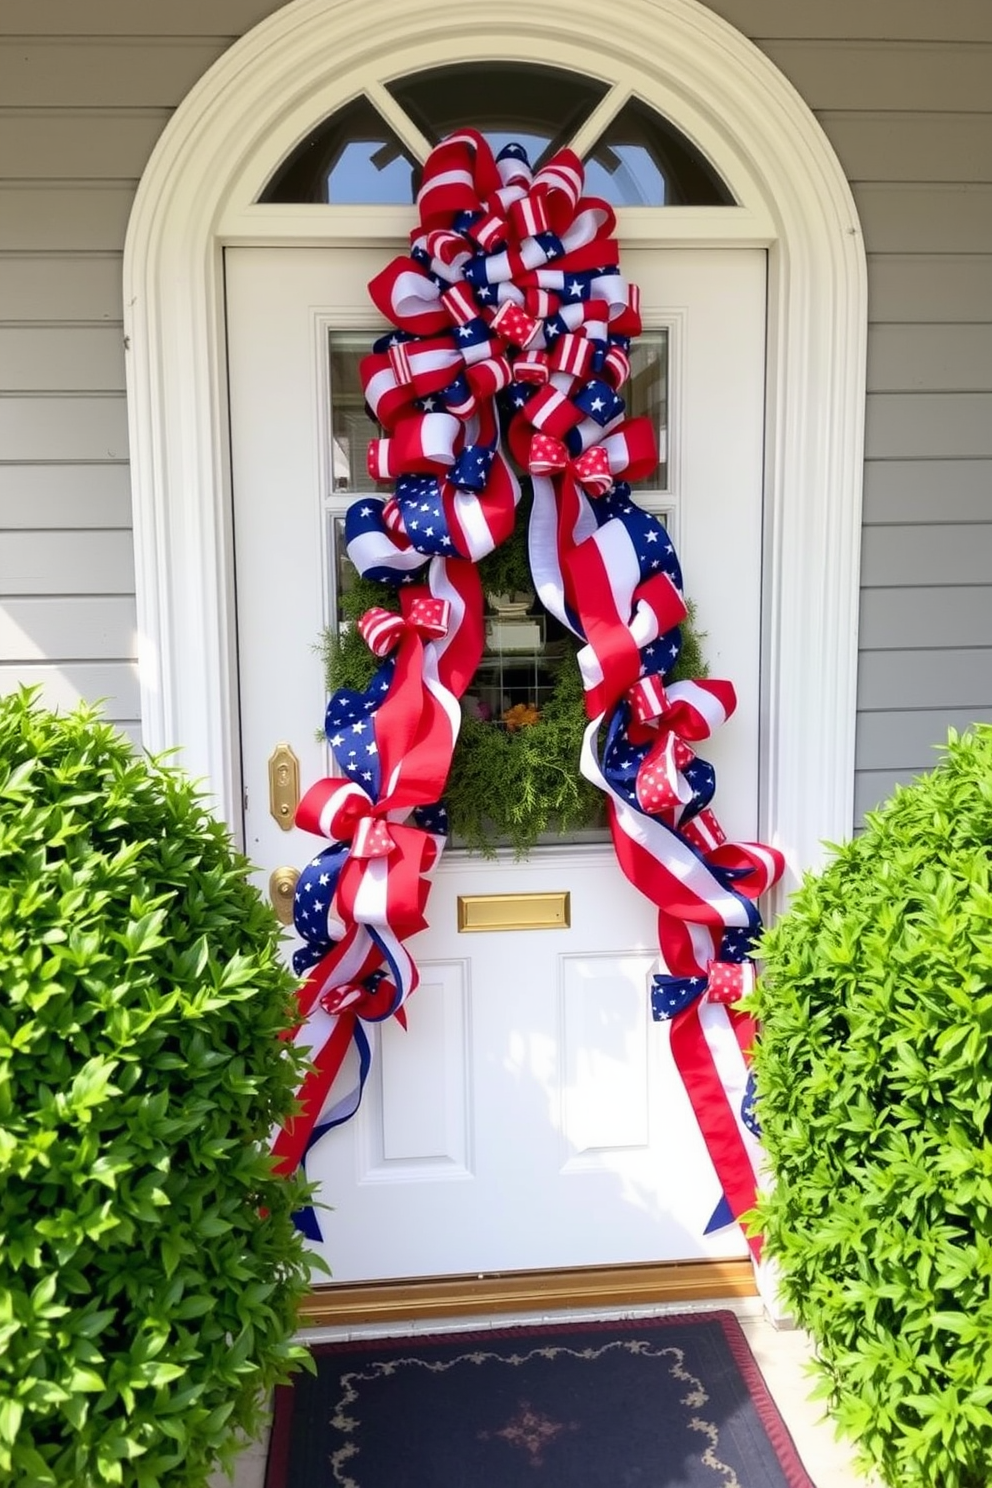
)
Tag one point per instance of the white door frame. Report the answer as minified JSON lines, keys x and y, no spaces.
{"x":197,"y":194}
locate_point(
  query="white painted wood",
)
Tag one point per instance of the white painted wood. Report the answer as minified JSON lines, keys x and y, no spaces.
{"x":64,"y":684}
{"x":100,"y":72}
{"x":419,"y":1117}
{"x":60,"y":359}
{"x":889,"y":74}
{"x":278,"y":81}
{"x":938,"y":491}
{"x":64,"y":496}
{"x":528,"y":1196}
{"x":51,"y":215}
{"x":61,"y":143}
{"x":604,"y":1044}
{"x":63,"y":428}
{"x":960,"y":553}
{"x":917,"y":20}
{"x":66,"y":563}
{"x":907,"y":146}
{"x":575,"y":1032}
{"x":100,"y":628}
{"x":904,"y":217}
{"x":945,"y":615}
{"x":930,"y":358}
{"x":929,"y":426}
{"x":929,"y":286}
{"x":954,"y":678}
{"x":61,"y":287}
{"x":909,"y":739}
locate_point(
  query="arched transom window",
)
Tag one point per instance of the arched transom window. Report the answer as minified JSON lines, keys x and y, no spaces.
{"x":633,"y":156}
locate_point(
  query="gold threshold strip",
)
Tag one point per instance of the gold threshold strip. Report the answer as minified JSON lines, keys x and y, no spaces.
{"x":527,"y":1291}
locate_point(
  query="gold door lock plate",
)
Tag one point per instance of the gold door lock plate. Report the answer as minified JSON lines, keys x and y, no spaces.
{"x":282,"y":887}
{"x":284,"y":785}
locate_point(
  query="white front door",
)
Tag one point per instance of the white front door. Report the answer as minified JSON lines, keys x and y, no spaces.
{"x":530,"y":1116}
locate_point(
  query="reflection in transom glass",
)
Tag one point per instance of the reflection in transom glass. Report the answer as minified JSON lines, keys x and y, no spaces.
{"x":640,"y":160}
{"x":539,"y":107}
{"x":351,"y":157}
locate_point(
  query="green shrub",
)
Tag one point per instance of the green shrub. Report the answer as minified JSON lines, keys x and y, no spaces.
{"x":874,"y":1074}
{"x":149,"y":1269}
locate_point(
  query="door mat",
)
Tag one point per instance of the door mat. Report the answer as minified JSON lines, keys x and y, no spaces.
{"x":664,"y":1402}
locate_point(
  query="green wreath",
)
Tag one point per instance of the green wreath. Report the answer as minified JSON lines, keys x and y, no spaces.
{"x":513,"y":780}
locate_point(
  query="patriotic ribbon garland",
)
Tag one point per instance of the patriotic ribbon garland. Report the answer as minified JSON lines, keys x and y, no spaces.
{"x":513,"y":325}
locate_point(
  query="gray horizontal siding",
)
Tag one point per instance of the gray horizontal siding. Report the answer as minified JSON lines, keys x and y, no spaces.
{"x":902,"y":146}
{"x":82,"y":71}
{"x":186,"y":18}
{"x":61,"y":216}
{"x":918,"y":735}
{"x":887,"y":75}
{"x":95,"y":143}
{"x":920,"y":287}
{"x":49,"y":358}
{"x":929,"y":426}
{"x":64,"y":684}
{"x":99,"y":627}
{"x":45,"y":495}
{"x":939,"y":358}
{"x":918,"y":217}
{"x":902,"y":87}
{"x":88,"y":561}
{"x":841,"y":20}
{"x":927,"y":553}
{"x":935,"y":491}
{"x":63,"y":428}
{"x":908,"y":618}
{"x":61,"y":286}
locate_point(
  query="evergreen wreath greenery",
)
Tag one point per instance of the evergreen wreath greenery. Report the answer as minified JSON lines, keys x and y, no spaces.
{"x":874,"y":1080}
{"x":150,"y":1270}
{"x":507,"y":786}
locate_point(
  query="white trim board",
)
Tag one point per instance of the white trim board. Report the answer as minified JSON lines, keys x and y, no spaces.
{"x":197,"y":194}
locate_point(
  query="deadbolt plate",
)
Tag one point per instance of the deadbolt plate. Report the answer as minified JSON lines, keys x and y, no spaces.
{"x":284,"y":785}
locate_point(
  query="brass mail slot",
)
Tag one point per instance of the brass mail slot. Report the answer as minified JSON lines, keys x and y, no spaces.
{"x":514,"y":911}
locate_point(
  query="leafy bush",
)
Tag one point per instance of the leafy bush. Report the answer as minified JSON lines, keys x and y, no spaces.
{"x":874,"y":1073}
{"x":149,"y":1268}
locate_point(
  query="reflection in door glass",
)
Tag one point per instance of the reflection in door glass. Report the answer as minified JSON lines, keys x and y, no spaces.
{"x":351,"y":427}
{"x":647,"y":394}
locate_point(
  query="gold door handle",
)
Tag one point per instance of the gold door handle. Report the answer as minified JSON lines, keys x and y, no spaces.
{"x":284,"y":785}
{"x":282,"y":887}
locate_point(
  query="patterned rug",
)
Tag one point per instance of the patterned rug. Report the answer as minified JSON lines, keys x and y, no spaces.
{"x":668,"y":1402}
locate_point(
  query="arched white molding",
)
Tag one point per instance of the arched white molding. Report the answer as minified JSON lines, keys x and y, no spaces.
{"x":260,"y":98}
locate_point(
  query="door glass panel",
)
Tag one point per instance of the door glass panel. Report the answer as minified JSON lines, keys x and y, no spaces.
{"x":351,"y":426}
{"x":646,"y":393}
{"x":539,"y":107}
{"x":526,"y":649}
{"x":351,"y":157}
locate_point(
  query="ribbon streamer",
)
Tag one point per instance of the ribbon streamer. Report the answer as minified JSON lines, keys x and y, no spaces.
{"x":512,"y":321}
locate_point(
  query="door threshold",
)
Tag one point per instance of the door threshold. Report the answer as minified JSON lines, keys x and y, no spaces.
{"x":407,"y":1299}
